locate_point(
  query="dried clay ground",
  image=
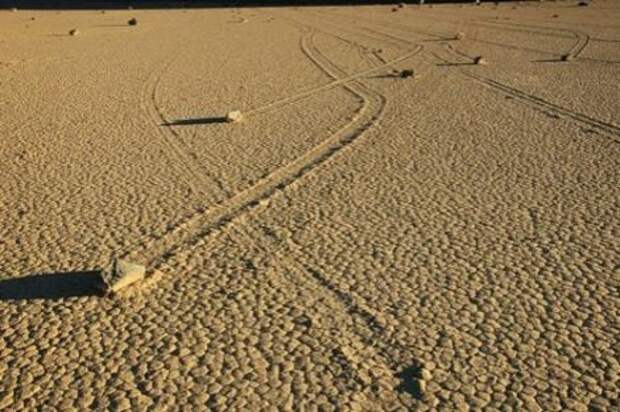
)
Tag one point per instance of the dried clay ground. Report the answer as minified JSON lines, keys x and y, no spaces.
{"x":360,"y":241}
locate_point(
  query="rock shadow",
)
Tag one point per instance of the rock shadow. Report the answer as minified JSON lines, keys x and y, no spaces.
{"x":196,"y":121}
{"x":52,"y":286}
{"x":410,"y":378}
{"x":549,"y":61}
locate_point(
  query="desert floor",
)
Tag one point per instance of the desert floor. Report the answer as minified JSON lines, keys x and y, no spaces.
{"x":360,"y":241}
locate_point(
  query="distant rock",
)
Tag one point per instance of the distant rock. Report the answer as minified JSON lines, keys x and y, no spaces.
{"x":234,"y":116}
{"x":480,"y":60}
{"x":459,"y":36}
{"x":133,"y":22}
{"x":74,"y":32}
{"x":583,"y":4}
{"x":567,"y":57}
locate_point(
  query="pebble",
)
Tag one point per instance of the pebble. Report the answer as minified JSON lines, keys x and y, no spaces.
{"x":234,"y":116}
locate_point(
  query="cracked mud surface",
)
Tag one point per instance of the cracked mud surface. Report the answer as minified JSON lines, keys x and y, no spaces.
{"x":358,"y":242}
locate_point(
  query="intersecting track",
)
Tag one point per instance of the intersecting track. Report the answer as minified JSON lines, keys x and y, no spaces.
{"x":156,"y":250}
{"x":581,"y":43}
{"x":183,"y":153}
{"x":405,"y":44}
{"x":606,"y":129}
{"x":385,"y":354}
{"x":338,"y":81}
{"x":603,"y":128}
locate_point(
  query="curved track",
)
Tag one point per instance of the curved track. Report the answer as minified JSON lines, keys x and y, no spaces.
{"x":157,"y":249}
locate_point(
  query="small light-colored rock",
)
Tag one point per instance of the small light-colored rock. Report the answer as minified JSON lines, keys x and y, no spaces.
{"x":74,"y":32}
{"x":480,"y":60}
{"x":234,"y":116}
{"x":567,"y":57}
{"x":459,"y":36}
{"x":121,"y":274}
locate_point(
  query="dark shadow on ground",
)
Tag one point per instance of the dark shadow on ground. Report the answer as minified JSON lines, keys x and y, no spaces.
{"x":52,"y":285}
{"x":395,"y":74}
{"x":197,"y":121}
{"x":410,"y":381}
{"x":549,"y":61}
